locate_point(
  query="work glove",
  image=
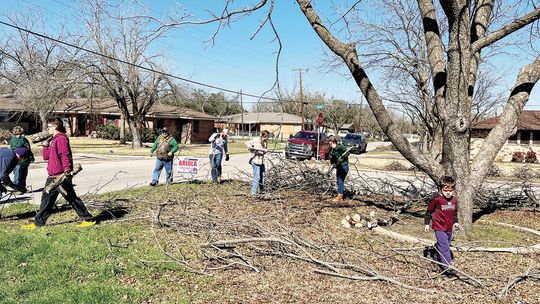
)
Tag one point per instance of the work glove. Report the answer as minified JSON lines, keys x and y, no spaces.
{"x":46,"y":142}
{"x":227,"y":157}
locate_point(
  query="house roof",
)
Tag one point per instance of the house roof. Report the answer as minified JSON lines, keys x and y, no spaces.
{"x":262,"y":117}
{"x":107,"y":106}
{"x":528,"y":120}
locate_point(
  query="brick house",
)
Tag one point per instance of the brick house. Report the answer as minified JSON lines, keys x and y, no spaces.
{"x":281,"y":125}
{"x":83,"y":115}
{"x":528,"y":128}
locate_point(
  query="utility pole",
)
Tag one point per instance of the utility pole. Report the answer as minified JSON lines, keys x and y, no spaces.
{"x":242,"y":116}
{"x":301,"y":95}
{"x":361,"y":113}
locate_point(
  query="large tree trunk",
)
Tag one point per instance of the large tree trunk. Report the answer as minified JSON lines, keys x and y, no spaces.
{"x":122,"y":129}
{"x":136,"y":125}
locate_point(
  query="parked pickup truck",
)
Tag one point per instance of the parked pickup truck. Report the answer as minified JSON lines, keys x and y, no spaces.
{"x":303,"y":145}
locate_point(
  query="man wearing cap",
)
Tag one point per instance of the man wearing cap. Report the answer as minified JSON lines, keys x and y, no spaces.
{"x":165,"y":146}
{"x":21,"y":170}
{"x":8,"y":161}
{"x":218,"y":147}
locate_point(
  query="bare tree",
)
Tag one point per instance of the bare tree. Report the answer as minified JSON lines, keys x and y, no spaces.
{"x":39,"y":72}
{"x":395,"y":46}
{"x":123,"y":67}
{"x":338,"y":112}
{"x":453,"y":71}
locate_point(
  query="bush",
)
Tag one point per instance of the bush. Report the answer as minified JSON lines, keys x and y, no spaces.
{"x":395,"y":166}
{"x":108,"y":132}
{"x":113,"y":132}
{"x":530,"y":157}
{"x":495,"y":171}
{"x":518,"y":157}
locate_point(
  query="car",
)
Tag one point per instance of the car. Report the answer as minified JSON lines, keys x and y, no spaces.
{"x":303,"y":145}
{"x":357,"y":143}
{"x":342,"y":133}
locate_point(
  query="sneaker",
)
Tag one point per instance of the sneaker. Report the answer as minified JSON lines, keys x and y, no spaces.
{"x":85,"y":224}
{"x":153,"y":184}
{"x":30,"y":226}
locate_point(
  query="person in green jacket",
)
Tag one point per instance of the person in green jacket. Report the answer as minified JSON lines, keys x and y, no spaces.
{"x":165,"y":146}
{"x":21,"y":170}
{"x":339,"y":157}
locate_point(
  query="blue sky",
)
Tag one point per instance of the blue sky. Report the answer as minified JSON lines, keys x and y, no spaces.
{"x":235,"y":62}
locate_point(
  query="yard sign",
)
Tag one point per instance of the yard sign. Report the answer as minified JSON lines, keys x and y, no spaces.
{"x":187,"y":165}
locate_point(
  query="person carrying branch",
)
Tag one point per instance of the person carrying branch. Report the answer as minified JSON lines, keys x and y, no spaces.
{"x":21,"y":170}
{"x":165,"y":146}
{"x":59,"y":159}
{"x":218,"y":148}
{"x":339,"y":158}
{"x":442,"y":211}
{"x":257,"y":147}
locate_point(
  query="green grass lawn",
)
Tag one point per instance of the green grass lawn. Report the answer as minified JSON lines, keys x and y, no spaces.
{"x":62,"y":263}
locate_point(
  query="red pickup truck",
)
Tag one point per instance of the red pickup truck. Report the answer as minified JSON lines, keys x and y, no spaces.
{"x":303,"y":145}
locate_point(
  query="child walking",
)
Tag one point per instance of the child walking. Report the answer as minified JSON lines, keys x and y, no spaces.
{"x":442,"y":211}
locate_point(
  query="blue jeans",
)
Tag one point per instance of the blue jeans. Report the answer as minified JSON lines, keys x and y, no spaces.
{"x":341,"y":173}
{"x":19,"y":176}
{"x":168,"y":169}
{"x":215,"y":164}
{"x":259,"y":178}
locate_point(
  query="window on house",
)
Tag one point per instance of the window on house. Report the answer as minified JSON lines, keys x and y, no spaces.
{"x":536,"y":137}
{"x":525,"y":137}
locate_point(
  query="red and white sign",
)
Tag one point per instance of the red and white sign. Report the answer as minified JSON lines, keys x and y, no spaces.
{"x":187,"y":165}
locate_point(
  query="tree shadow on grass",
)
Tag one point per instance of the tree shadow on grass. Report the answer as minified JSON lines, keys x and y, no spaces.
{"x":111,"y":213}
{"x":32,"y":214}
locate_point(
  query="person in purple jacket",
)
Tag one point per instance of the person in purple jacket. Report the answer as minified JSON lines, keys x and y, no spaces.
{"x":59,"y":159}
{"x":442,"y":211}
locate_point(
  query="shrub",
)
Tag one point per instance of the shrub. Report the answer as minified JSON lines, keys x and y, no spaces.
{"x":395,"y":166}
{"x":518,"y":157}
{"x":113,"y":132}
{"x":495,"y":171}
{"x":530,"y":157}
{"x":108,"y":132}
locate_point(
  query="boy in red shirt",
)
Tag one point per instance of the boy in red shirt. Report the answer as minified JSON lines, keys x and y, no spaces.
{"x":443,"y":211}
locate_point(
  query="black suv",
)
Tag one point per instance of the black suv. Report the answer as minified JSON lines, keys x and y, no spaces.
{"x":356,"y":141}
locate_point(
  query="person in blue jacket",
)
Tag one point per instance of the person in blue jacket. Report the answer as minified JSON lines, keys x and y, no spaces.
{"x":8,"y":161}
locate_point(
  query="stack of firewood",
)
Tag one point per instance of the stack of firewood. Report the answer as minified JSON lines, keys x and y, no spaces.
{"x":358,"y":221}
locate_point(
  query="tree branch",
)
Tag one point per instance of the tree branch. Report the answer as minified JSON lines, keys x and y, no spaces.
{"x":506,"y":30}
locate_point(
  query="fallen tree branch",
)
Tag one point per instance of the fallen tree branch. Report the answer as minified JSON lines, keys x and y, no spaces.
{"x":530,"y":273}
{"x":234,"y":242}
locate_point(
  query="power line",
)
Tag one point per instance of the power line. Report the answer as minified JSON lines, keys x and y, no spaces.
{"x":270,"y":99}
{"x":140,"y":66}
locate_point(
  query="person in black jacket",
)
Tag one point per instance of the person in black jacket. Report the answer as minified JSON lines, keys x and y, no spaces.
{"x":8,"y":161}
